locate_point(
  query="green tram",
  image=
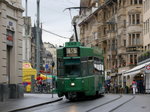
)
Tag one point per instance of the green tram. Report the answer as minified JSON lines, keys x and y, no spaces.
{"x":80,"y":71}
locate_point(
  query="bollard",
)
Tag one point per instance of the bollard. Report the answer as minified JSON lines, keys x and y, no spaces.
{"x":13,"y":91}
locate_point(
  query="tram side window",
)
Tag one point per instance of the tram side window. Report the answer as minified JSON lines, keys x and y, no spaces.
{"x":98,"y":66}
{"x":72,"y":70}
{"x":60,"y":72}
{"x":90,"y":68}
{"x":102,"y":69}
{"x":60,"y":67}
{"x":84,"y":69}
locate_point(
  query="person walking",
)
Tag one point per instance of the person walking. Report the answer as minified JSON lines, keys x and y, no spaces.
{"x":39,"y":83}
{"x":134,"y":86}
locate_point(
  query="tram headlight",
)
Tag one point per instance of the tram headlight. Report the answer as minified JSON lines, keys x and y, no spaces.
{"x":72,"y":84}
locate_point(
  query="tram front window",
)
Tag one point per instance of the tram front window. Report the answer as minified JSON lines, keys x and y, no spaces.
{"x":72,"y":70}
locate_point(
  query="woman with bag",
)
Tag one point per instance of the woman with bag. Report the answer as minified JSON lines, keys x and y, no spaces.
{"x":134,"y":86}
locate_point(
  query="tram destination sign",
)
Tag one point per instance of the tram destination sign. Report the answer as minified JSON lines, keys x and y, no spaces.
{"x":71,"y":52}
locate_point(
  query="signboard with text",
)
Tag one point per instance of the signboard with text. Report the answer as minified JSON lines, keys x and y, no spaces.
{"x":71,"y":52}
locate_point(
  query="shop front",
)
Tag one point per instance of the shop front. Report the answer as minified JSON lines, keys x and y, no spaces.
{"x":29,"y":74}
{"x":141,"y":75}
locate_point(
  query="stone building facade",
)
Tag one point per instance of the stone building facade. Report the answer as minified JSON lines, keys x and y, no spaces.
{"x":116,"y":27}
{"x":11,"y":41}
{"x":146,"y":27}
{"x":11,"y":24}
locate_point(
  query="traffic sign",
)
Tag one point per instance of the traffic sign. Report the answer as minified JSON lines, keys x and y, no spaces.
{"x":46,"y":66}
{"x":147,"y":69}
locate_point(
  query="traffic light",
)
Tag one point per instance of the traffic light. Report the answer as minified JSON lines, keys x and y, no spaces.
{"x":53,"y":64}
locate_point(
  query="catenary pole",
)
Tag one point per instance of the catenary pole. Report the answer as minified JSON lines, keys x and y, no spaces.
{"x":26,"y":32}
{"x":26,"y":8}
{"x":38,"y":38}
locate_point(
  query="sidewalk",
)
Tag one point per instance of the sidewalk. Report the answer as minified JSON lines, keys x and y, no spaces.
{"x":29,"y":100}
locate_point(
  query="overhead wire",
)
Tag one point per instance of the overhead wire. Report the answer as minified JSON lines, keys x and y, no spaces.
{"x":55,"y":34}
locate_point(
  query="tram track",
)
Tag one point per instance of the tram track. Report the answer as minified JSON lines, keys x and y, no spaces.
{"x":122,"y":104}
{"x":111,"y":101}
{"x":91,"y":108}
{"x":104,"y":104}
{"x":67,"y":104}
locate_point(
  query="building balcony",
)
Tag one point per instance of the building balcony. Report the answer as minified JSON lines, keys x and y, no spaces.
{"x":144,"y":56}
{"x":135,"y":48}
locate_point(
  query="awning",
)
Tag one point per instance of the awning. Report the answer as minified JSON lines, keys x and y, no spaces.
{"x":136,"y":69}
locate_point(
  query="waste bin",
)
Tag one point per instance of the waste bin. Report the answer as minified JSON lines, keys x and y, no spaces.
{"x":13,"y":91}
{"x":16,"y":91}
{"x":20,"y":90}
{"x":4,"y":92}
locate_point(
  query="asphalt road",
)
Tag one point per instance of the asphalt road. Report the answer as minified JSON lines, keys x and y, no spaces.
{"x":107,"y":103}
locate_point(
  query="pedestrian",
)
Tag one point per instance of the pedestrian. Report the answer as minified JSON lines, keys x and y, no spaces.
{"x":141,"y":86}
{"x":134,"y":86}
{"x":39,"y":83}
{"x":108,"y":87}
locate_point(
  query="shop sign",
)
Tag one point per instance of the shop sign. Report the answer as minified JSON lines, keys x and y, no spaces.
{"x":9,"y":38}
{"x":71,"y":52}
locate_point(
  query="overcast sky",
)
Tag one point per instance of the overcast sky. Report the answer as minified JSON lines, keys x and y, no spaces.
{"x":54,"y":18}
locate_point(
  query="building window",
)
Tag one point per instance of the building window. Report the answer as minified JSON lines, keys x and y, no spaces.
{"x":135,"y":59}
{"x":131,"y":2}
{"x":104,"y":30}
{"x":124,"y":23}
{"x":144,"y":27}
{"x":138,"y":39}
{"x":134,"y":39}
{"x":10,"y":37}
{"x":129,"y":39}
{"x":145,"y":48}
{"x":129,"y":19}
{"x":124,"y":42}
{"x":140,"y":1}
{"x":137,"y":18}
{"x":134,"y":19}
{"x":119,"y":3}
{"x":131,"y":59}
{"x":135,"y":1}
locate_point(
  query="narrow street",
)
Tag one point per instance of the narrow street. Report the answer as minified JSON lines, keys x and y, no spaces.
{"x":61,"y":55}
